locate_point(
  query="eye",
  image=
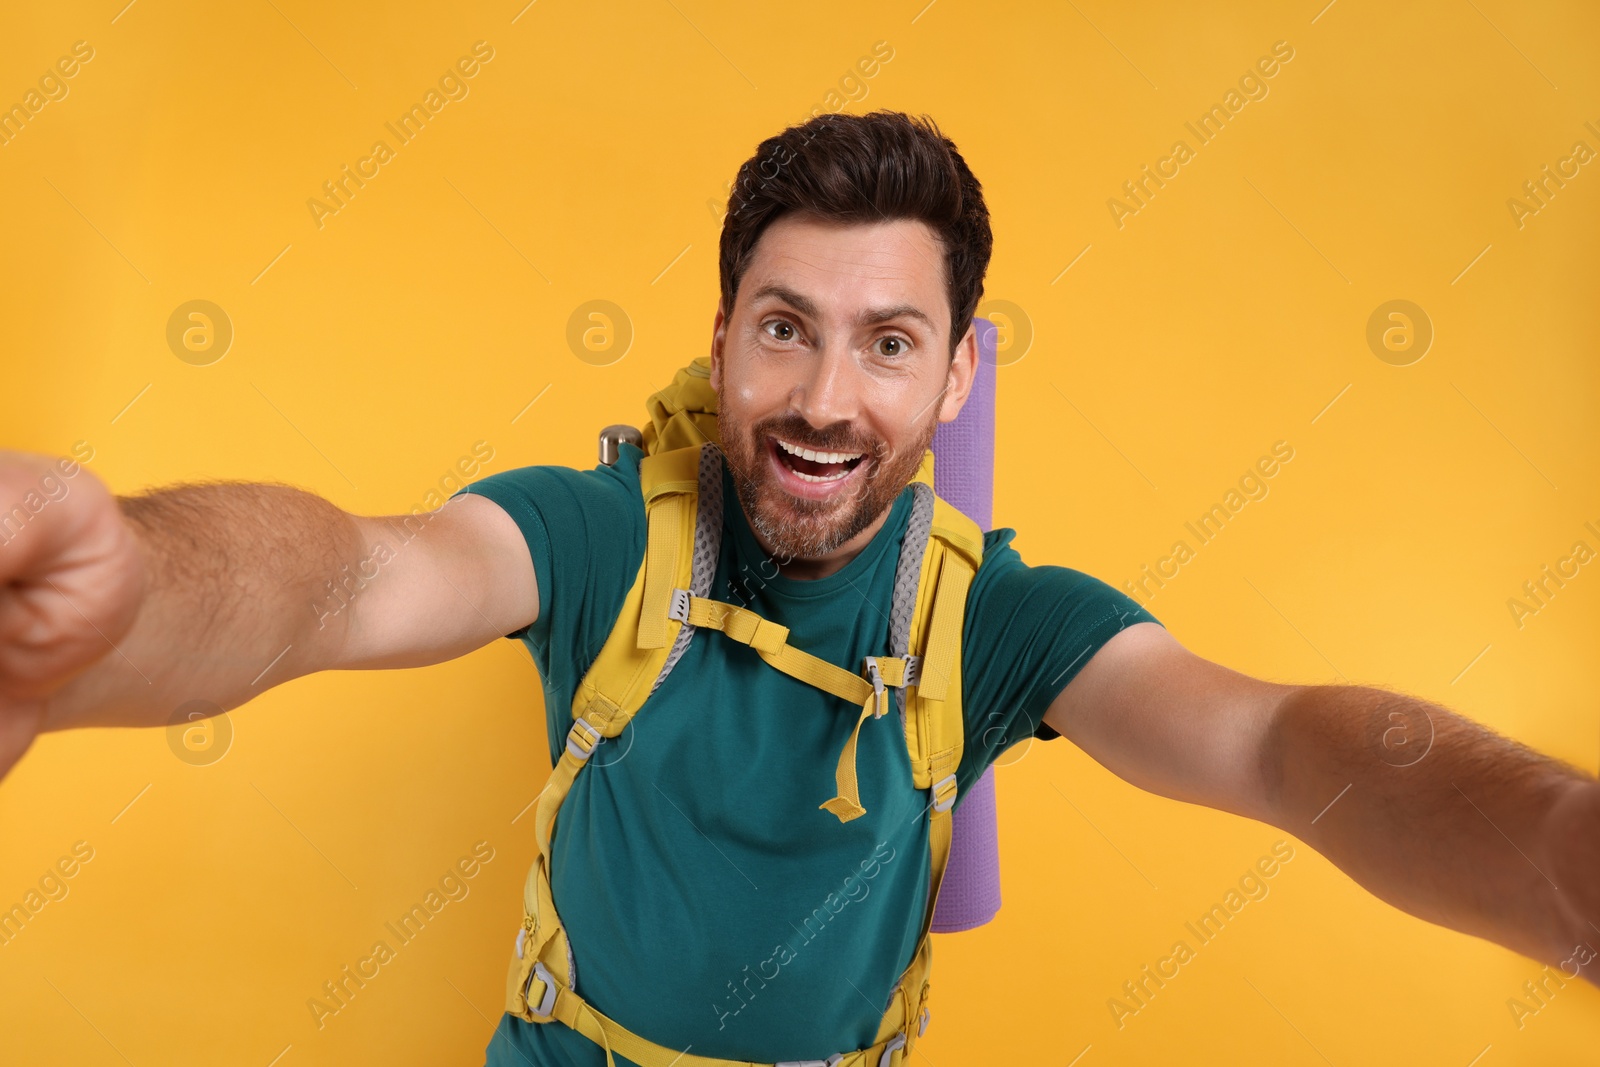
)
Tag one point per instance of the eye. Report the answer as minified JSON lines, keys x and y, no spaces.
{"x":781,"y":324}
{"x":895,"y":346}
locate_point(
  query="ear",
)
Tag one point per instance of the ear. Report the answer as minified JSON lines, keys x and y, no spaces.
{"x":963,"y":370}
{"x":719,"y":332}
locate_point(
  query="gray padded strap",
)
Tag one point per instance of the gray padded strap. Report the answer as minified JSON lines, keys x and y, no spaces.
{"x":906,"y":576}
{"x":707,"y":546}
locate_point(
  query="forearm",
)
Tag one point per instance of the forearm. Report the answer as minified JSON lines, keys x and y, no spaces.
{"x":232,"y":576}
{"x":1435,"y":814}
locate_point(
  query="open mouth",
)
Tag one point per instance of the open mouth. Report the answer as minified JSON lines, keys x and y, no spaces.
{"x":816,"y":467}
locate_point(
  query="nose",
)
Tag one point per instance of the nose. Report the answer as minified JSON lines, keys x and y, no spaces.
{"x":828,"y":392}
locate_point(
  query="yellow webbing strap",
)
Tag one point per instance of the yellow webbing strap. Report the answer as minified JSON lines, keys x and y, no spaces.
{"x":934,"y":734}
{"x":577,"y":1013}
{"x":944,"y":634}
{"x":611,"y":691}
{"x":661,"y":568}
{"x":771,"y":643}
{"x":846,"y":805}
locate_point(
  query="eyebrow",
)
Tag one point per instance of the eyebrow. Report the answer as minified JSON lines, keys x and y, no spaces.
{"x":869,"y":317}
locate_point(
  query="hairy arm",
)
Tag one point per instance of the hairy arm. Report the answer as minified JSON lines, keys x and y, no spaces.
{"x":117,"y":610}
{"x":1441,"y":817}
{"x":1427,"y":810}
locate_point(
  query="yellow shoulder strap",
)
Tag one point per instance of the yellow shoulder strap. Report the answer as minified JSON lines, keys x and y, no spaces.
{"x":670,"y":482}
{"x":935,"y":736}
{"x":620,"y":678}
{"x":615,"y":686}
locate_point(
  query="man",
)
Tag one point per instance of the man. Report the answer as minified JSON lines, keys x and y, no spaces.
{"x":695,"y":858}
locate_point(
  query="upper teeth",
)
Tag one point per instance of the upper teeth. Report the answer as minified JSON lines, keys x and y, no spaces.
{"x":817,"y":457}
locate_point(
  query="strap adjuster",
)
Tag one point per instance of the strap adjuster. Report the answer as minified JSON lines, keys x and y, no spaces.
{"x":922,"y":1024}
{"x":875,"y":676}
{"x":547,"y":1003}
{"x":678,"y":608}
{"x":944,"y":793}
{"x":575,"y":746}
{"x":896,"y":1043}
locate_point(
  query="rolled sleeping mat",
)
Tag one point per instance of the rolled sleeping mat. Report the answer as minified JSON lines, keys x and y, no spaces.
{"x":963,"y":474}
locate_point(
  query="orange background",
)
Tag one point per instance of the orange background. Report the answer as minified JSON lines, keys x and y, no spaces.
{"x":588,"y":161}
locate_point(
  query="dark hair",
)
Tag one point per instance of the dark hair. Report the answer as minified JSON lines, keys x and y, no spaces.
{"x":876,"y":167}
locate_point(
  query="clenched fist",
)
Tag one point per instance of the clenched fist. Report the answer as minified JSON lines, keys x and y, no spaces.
{"x":70,"y":582}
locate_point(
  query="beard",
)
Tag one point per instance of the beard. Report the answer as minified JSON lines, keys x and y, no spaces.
{"x":800,"y":528}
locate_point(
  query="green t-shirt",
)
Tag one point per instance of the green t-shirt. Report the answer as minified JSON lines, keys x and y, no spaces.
{"x":710,"y":902}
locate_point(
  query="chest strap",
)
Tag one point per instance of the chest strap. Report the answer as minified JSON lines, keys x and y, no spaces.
{"x":771,"y":643}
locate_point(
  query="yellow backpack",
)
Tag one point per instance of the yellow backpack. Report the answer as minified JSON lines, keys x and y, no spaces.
{"x":681,"y":479}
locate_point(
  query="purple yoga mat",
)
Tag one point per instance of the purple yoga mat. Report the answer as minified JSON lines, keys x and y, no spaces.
{"x":963,"y":474}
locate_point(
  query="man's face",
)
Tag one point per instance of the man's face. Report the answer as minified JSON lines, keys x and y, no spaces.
{"x":838,"y":344}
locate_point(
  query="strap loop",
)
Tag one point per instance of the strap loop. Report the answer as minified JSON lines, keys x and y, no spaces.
{"x":881,"y":671}
{"x":847,"y":804}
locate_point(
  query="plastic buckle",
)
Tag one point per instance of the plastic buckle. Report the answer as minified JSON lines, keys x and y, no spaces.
{"x":831,"y":1061}
{"x":679,"y":607}
{"x":547,"y":1004}
{"x":922,"y":1024}
{"x":577,"y":752}
{"x":522,"y":936}
{"x":875,"y":676}
{"x":896,"y":1043}
{"x":946,"y":803}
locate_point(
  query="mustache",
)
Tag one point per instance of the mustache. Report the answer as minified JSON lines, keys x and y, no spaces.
{"x":797,"y":431}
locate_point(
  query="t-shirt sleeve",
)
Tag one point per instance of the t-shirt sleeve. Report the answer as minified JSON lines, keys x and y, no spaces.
{"x":1028,"y":632}
{"x":585,"y":531}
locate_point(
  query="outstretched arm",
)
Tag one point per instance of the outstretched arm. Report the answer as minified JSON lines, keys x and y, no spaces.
{"x":114,"y":611}
{"x":1442,"y":817}
{"x":1426,"y":809}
